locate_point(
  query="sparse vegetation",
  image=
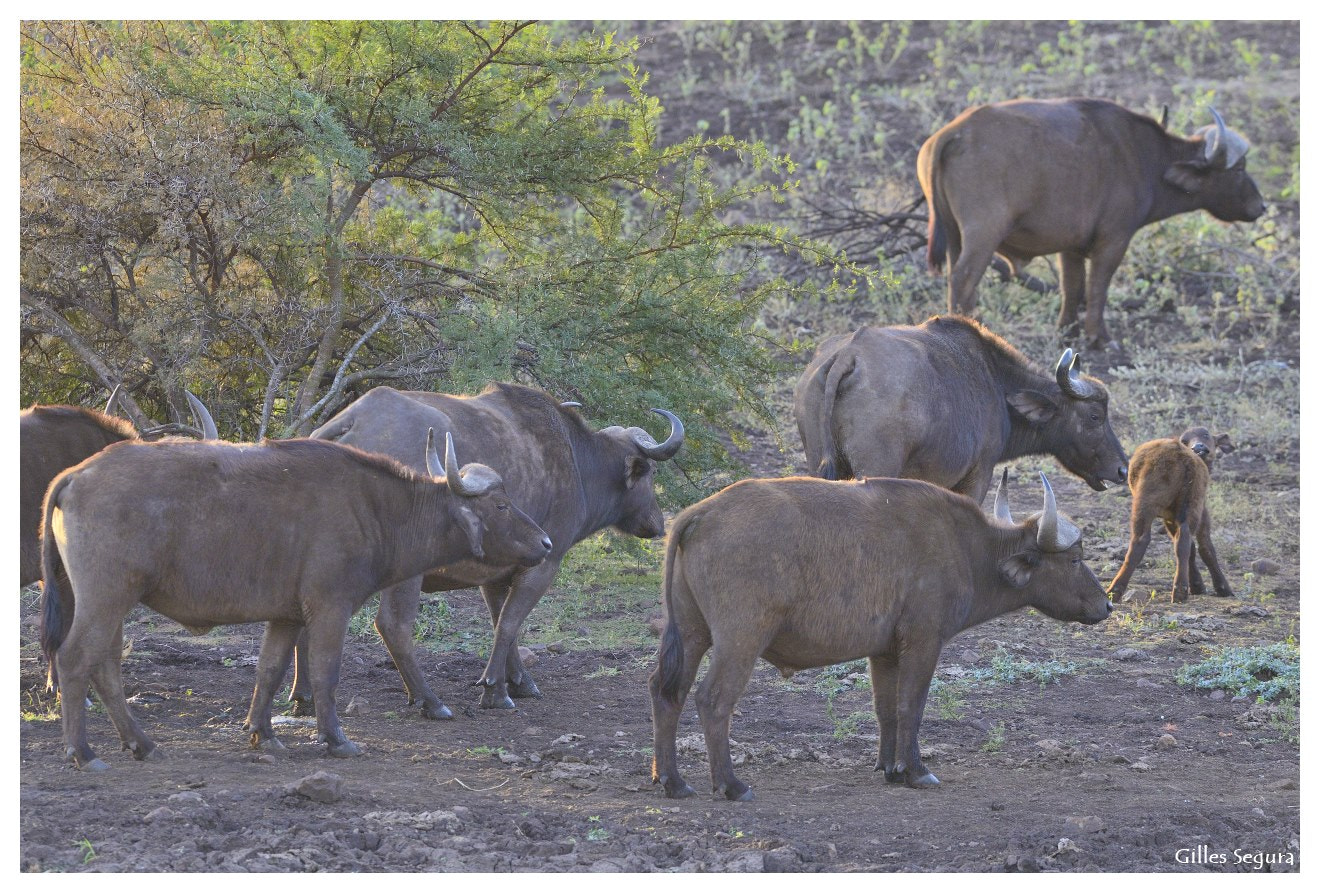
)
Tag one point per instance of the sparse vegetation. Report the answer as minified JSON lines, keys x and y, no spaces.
{"x":1269,"y":673}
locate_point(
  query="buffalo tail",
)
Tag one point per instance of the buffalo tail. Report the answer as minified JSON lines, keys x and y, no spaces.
{"x":936,"y":244}
{"x":52,"y":568}
{"x":671,"y":641}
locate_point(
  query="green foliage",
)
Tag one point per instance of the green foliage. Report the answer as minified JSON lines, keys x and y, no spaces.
{"x":994,"y":738}
{"x":1271,"y":672}
{"x":291,"y":212}
{"x":1005,"y":669}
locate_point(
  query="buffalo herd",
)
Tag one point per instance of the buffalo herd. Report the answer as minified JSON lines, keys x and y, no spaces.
{"x":882,"y":553}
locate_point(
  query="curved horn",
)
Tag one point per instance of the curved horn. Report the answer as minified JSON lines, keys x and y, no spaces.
{"x":479,"y":478}
{"x":1069,"y":379}
{"x":1216,"y":148}
{"x":1054,"y":534}
{"x":571,"y":404}
{"x":202,"y":417}
{"x":1002,"y":512}
{"x":661,"y":452}
{"x":109,"y":404}
{"x":1164,"y":118}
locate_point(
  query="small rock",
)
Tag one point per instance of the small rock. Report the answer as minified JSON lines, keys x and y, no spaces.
{"x":356,"y":705}
{"x":1120,"y":760}
{"x":1140,"y":766}
{"x":1143,"y":682}
{"x":1265,"y":566}
{"x":321,"y":786}
{"x":1049,"y":745}
{"x":159,"y":814}
{"x":1249,"y":611}
{"x":1257,"y":811}
{"x":752,"y":861}
{"x":186,"y":798}
{"x":1025,"y":863}
{"x":1217,"y":695}
{"x":528,"y":656}
{"x":1166,"y":741}
{"x":568,"y":738}
{"x":1129,"y":654}
{"x":556,"y":648}
{"x":1086,"y":824}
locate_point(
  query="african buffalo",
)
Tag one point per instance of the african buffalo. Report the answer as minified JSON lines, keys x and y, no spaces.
{"x":572,"y":480}
{"x":807,"y":573}
{"x":214,"y":533}
{"x":943,"y":402}
{"x":53,"y":438}
{"x":1076,"y":177}
{"x":1170,"y":478}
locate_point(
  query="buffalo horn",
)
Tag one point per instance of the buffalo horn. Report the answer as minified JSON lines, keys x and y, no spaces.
{"x":110,"y":404}
{"x":202,"y":417}
{"x":571,"y":404}
{"x":479,"y":478}
{"x":1069,"y":379}
{"x":1002,"y":512}
{"x":660,"y":452}
{"x":1054,"y":534}
{"x":1223,"y":147}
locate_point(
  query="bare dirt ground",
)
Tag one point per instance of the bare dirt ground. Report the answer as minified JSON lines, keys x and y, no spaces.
{"x":1059,"y":748}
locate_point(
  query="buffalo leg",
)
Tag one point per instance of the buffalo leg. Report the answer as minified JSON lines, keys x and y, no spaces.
{"x":716,"y":697}
{"x":395,"y":621}
{"x":1196,"y":582}
{"x":1182,"y":546}
{"x":916,"y":667}
{"x":272,"y":663}
{"x":300,"y":696}
{"x":526,"y":590}
{"x":1073,"y":279}
{"x":1105,"y":258}
{"x":1211,"y":558}
{"x":325,"y":634}
{"x":964,"y":277}
{"x":1137,"y":546}
{"x":884,"y":694}
{"x":85,"y":647}
{"x":521,"y":683}
{"x":665,"y":713}
{"x":109,"y":681}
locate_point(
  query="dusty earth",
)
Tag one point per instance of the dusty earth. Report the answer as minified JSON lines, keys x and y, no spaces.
{"x":1112,"y":766}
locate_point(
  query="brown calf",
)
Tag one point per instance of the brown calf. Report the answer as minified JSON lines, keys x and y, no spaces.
{"x":1169,"y":478}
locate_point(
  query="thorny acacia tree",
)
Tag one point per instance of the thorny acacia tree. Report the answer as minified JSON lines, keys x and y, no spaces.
{"x":282,"y":215}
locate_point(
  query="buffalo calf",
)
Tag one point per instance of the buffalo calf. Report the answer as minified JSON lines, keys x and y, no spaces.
{"x":805,"y":573}
{"x":295,"y":533}
{"x":1169,"y":478}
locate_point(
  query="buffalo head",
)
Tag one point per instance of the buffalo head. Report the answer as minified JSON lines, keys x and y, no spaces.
{"x":1217,"y":177}
{"x":1049,"y":563}
{"x":634,"y":454}
{"x":1074,"y":424}
{"x":497,"y":530}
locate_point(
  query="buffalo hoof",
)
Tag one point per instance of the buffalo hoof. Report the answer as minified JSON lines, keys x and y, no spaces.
{"x":437,"y":711}
{"x":1180,"y":595}
{"x":925,"y":781}
{"x":95,"y":764}
{"x":344,"y":749}
{"x":491,"y":700}
{"x":270,"y":745}
{"x":153,"y":754}
{"x":525,"y":689}
{"x":1198,"y":588}
{"x":736,"y":791}
{"x":1224,"y":593}
{"x":894,"y":776}
{"x":302,"y":707}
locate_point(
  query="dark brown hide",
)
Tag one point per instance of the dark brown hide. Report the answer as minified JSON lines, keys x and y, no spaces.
{"x":943,"y":402}
{"x":51,"y":439}
{"x":572,"y":480}
{"x":1073,"y":177}
{"x":215,"y":533}
{"x":806,"y":573}
{"x":1170,"y":478}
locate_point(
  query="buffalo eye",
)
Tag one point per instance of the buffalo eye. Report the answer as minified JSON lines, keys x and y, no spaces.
{"x":503,"y":506}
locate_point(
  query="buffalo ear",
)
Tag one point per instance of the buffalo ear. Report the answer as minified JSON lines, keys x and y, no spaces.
{"x":472,"y":526}
{"x":1017,"y":569}
{"x":1033,"y":406}
{"x":635,"y":468}
{"x":1225,"y":445}
{"x":1184,"y":175}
